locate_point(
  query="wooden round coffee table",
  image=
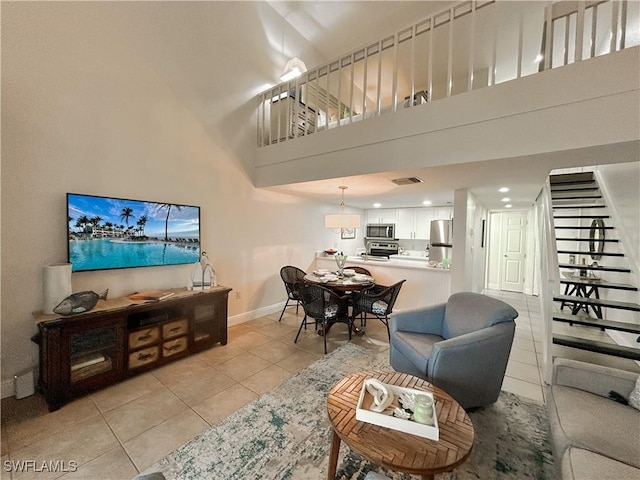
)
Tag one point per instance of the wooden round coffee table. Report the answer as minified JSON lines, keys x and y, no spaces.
{"x":394,"y":449}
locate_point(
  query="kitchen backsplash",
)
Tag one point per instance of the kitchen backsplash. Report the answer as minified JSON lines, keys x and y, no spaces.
{"x":416,"y":247}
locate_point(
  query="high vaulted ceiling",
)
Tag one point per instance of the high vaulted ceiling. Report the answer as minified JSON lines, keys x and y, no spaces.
{"x":335,"y":28}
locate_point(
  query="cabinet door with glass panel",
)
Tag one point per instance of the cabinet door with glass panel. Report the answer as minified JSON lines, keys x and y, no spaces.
{"x":209,"y":321}
{"x":95,"y":353}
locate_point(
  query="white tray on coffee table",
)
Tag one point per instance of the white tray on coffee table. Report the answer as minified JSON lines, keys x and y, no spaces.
{"x":365,"y":414}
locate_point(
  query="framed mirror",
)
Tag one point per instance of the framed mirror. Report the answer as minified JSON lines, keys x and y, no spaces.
{"x":596,"y":239}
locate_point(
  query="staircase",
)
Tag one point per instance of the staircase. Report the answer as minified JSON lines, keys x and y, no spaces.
{"x":593,"y":271}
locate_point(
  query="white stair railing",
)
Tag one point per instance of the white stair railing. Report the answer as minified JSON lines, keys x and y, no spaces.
{"x":549,"y":277}
{"x":474,"y":44}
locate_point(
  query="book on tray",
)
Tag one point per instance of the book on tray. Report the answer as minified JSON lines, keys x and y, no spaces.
{"x":152,"y":295}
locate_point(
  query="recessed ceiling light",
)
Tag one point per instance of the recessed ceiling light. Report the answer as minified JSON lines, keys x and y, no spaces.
{"x":503,"y":189}
{"x":506,"y":199}
{"x":508,"y":205}
{"x":427,"y":202}
{"x":377,"y":205}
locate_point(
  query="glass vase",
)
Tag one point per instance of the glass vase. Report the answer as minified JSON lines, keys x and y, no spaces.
{"x":340,"y":261}
{"x":423,"y":409}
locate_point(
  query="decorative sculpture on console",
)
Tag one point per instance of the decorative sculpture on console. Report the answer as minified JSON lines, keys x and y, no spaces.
{"x":203,"y":276}
{"x":80,"y":302}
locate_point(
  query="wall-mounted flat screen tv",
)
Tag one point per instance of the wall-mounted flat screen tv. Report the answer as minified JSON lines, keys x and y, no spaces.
{"x":106,"y":233}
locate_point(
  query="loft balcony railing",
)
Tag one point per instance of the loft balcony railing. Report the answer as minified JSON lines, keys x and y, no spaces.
{"x":472,"y":45}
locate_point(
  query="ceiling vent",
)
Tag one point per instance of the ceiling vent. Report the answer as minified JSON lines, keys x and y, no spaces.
{"x":407,"y":180}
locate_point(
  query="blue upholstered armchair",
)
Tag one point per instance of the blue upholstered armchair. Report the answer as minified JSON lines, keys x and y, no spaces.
{"x":461,"y":346}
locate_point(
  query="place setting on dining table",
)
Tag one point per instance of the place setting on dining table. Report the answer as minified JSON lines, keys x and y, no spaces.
{"x":346,"y":280}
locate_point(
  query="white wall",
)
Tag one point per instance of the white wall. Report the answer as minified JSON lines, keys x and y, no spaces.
{"x":621,"y":185}
{"x":461,"y":267}
{"x":148,"y":101}
{"x":479,"y":250}
{"x":468,"y":263}
{"x":494,"y":242}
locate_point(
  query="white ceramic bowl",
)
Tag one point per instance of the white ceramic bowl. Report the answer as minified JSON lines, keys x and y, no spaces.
{"x":360,"y":277}
{"x":348,"y":273}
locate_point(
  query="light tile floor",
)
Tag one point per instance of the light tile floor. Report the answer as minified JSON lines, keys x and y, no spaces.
{"x":122,"y":430}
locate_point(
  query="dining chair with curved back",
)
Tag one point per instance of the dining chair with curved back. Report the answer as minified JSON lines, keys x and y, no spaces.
{"x":358,"y":269}
{"x":377,"y":301}
{"x":323,"y":305}
{"x":290,"y":276}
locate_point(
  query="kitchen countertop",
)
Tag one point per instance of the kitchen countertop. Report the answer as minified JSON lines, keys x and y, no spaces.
{"x":413,"y":258}
{"x":396,"y":261}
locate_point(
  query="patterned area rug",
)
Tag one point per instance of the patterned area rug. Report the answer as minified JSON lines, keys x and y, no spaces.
{"x":285,"y":434}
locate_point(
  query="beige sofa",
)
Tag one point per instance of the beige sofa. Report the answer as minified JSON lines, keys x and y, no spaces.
{"x":593,"y":436}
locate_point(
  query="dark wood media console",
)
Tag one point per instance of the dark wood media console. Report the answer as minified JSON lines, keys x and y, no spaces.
{"x":121,"y":338}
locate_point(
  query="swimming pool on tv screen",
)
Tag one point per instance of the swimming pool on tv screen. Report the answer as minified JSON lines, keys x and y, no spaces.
{"x":106,"y":254}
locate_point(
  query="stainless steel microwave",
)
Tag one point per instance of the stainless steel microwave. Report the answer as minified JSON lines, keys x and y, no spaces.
{"x":381,"y":231}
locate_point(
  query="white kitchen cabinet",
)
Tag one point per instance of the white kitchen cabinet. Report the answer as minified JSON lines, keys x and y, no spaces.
{"x":411,"y":223}
{"x":414,"y":223}
{"x":423,"y":219}
{"x":443,"y":213}
{"x":382,"y":215}
{"x":405,"y":225}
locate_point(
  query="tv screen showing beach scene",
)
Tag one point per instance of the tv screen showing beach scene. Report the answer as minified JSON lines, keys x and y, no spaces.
{"x":106,"y":233}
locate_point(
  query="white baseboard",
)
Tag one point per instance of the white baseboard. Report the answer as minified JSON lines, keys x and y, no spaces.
{"x":253,"y":314}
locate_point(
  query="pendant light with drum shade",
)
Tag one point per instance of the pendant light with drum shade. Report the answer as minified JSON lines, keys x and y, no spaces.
{"x":342,"y":220}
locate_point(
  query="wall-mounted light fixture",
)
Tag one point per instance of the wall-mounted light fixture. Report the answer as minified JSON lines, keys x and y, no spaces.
{"x":294,"y":68}
{"x":342,"y":220}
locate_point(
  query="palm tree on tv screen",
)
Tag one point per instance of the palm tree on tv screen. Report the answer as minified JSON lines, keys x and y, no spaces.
{"x":82,"y":223}
{"x":166,"y":222}
{"x":142,"y":221}
{"x":126,"y":214}
{"x":95,"y":223}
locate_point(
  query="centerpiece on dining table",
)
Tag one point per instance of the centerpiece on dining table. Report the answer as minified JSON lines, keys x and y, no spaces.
{"x":341,"y":259}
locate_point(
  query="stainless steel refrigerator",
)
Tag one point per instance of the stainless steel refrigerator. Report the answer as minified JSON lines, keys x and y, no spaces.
{"x":440,"y":240}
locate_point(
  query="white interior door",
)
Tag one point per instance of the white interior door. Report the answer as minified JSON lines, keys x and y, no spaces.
{"x":513,"y":251}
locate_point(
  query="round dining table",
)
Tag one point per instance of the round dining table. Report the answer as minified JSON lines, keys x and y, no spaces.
{"x":342,"y":285}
